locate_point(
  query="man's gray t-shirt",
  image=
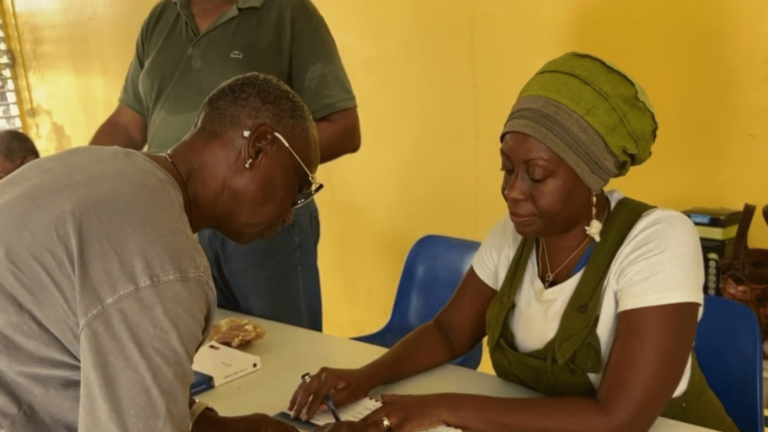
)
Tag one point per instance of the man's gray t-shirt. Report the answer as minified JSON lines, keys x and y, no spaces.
{"x":105,"y":294}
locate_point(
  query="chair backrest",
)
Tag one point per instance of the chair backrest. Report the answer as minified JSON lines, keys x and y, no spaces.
{"x":433,"y":269}
{"x":729,"y":350}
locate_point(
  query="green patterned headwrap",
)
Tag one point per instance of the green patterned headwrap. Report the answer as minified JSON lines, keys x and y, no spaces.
{"x":595,"y":117}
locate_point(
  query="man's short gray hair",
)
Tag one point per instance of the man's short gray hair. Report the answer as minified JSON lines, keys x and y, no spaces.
{"x":251,"y":98}
{"x":15,"y":146}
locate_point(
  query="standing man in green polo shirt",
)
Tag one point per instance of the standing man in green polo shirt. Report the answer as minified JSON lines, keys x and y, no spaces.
{"x":186,"y":48}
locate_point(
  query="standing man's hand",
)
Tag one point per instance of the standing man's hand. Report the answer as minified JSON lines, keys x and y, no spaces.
{"x":339,"y":134}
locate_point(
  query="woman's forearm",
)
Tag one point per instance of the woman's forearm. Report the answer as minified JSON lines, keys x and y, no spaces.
{"x":425,"y":348}
{"x":563,"y":414}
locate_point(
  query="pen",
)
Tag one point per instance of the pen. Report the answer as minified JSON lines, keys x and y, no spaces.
{"x":332,"y":407}
{"x":307,"y":377}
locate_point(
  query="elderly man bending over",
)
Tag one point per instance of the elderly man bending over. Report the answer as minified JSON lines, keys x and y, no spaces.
{"x":105,"y":294}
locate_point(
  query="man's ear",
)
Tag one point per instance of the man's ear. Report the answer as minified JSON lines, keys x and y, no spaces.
{"x":260,"y":137}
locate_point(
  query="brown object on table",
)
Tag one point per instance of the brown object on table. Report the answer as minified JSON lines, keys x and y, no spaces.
{"x":236,"y":332}
{"x":745,"y":274}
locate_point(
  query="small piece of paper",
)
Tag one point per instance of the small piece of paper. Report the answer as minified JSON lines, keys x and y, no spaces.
{"x":356,"y":411}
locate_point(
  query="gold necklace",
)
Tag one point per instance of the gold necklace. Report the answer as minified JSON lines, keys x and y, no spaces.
{"x":550,"y":276}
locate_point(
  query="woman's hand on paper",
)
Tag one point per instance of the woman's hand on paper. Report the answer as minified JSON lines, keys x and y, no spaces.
{"x":406,"y":414}
{"x":345,"y":386}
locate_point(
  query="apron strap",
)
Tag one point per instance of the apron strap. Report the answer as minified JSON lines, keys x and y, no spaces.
{"x":583,"y":309}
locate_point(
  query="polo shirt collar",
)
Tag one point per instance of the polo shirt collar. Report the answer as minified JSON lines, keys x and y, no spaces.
{"x":243,"y":4}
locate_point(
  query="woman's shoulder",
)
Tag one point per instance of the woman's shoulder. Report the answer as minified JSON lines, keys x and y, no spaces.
{"x":659,"y":262}
{"x":496,"y":252}
{"x":662,"y":225}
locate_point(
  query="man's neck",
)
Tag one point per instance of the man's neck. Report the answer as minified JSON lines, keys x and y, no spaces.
{"x":207,"y":11}
{"x":202,"y":159}
{"x":180,"y":176}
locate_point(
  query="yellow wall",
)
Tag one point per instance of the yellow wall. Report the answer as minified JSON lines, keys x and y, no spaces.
{"x":435,"y":80}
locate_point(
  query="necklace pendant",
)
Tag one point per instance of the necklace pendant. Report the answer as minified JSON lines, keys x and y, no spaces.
{"x":548,"y":279}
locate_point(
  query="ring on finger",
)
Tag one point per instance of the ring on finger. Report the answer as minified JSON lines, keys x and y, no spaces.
{"x":307,"y":377}
{"x":385,"y":422}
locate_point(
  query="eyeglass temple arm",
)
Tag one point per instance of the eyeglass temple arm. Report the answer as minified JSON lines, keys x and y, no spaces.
{"x":246,"y":134}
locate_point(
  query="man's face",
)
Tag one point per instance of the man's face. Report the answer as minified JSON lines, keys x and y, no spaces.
{"x":7,"y":167}
{"x":259,"y":200}
{"x":262,"y":203}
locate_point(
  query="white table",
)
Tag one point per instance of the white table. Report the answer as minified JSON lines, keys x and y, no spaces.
{"x":287,"y":352}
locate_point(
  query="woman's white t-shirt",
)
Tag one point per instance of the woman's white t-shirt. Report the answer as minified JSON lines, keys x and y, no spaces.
{"x":659,"y":263}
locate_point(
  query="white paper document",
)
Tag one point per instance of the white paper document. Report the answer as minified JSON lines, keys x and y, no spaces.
{"x":360,"y":409}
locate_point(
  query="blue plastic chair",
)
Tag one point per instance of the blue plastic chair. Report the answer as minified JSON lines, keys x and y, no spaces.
{"x":433,"y":269}
{"x":730,"y":353}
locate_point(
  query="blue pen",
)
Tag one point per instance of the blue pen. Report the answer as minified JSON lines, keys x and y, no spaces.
{"x":332,"y":407}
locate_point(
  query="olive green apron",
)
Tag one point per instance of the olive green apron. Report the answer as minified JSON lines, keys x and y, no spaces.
{"x":560,"y":368}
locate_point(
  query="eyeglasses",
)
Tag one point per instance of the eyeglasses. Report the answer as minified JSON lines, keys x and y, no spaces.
{"x":315,"y":186}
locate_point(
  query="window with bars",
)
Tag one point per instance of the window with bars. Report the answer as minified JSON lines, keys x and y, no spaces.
{"x":10,"y":114}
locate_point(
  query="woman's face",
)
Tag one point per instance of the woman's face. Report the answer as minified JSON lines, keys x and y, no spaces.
{"x":544,"y":195}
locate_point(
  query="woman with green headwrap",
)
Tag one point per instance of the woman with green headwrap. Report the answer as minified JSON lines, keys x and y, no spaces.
{"x":586,"y":296}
